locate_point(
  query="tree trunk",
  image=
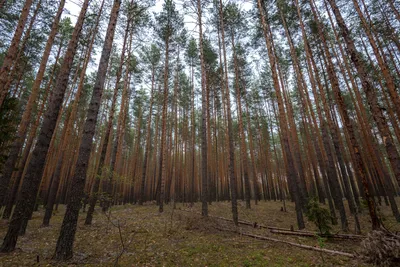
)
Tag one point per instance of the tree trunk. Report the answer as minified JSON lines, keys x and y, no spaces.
{"x":108,"y":135}
{"x":163,"y":147}
{"x":148,"y":144}
{"x":291,"y":172}
{"x":68,"y":229}
{"x":243,"y":147}
{"x":231,"y":148}
{"x":35,"y":169}
{"x":204,"y":126}
{"x":12,"y":51}
{"x":372,"y":99}
{"x":348,"y":125}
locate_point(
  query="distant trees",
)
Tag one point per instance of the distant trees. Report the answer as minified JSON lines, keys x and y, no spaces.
{"x":151,"y":56}
{"x":169,"y":28}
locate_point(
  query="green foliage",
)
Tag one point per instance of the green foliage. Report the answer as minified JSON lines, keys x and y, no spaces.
{"x":320,"y":216}
{"x":138,"y":13}
{"x":169,"y":22}
{"x":321,"y":241}
{"x":150,"y":55}
{"x":233,"y":18}
{"x":210,"y":56}
{"x":192,"y":52}
{"x":65,"y":29}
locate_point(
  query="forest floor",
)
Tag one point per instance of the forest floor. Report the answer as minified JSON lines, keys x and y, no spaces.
{"x":140,"y":236}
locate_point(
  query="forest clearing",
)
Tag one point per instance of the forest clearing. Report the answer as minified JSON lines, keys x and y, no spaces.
{"x":200,"y":132}
{"x":181,"y":237}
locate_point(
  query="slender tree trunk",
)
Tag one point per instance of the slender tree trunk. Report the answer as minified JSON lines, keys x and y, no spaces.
{"x":348,"y":124}
{"x":252,"y":156}
{"x":243,"y":147}
{"x":292,"y":176}
{"x":109,"y":181}
{"x":148,"y":144}
{"x":192,"y":183}
{"x":163,"y":147}
{"x":36,"y":165}
{"x":392,"y":6}
{"x":204,"y":167}
{"x":18,"y":142}
{"x":68,"y":229}
{"x":372,"y":99}
{"x":231,"y":148}
{"x":12,"y":51}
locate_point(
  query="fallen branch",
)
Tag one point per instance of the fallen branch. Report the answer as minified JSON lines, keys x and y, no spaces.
{"x":278,"y":230}
{"x":313,"y":234}
{"x":124,"y":245}
{"x":333,"y":252}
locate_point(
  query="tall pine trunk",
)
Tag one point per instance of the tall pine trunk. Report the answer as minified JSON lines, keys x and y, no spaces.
{"x":163,"y":145}
{"x":359,"y":165}
{"x":204,"y":126}
{"x":12,"y":51}
{"x":35,"y":169}
{"x":23,"y":128}
{"x":231,"y":148}
{"x":68,"y":229}
{"x":291,"y":172}
{"x":148,"y":144}
{"x":372,"y":99}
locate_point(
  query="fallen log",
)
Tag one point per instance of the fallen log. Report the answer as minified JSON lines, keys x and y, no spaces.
{"x":330,"y":251}
{"x":278,"y":230}
{"x":314,"y":234}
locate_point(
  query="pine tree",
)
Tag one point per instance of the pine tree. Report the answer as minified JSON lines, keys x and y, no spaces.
{"x":23,"y":128}
{"x":13,"y":51}
{"x":169,"y":27}
{"x":68,"y":228}
{"x":30,"y":186}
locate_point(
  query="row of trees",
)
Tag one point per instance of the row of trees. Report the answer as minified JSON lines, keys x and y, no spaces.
{"x":268,"y":100}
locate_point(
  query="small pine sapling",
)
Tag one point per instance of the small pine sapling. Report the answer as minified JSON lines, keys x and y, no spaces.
{"x":320,"y":216}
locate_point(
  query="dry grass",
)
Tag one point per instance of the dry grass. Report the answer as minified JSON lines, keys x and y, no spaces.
{"x":178,"y":238}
